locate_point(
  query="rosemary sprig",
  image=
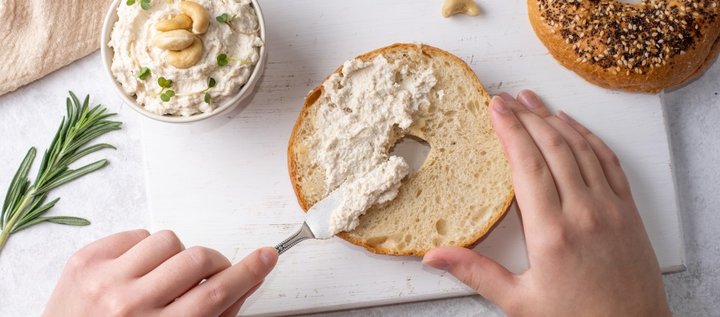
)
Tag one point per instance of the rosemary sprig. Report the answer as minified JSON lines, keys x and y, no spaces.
{"x":25,"y":201}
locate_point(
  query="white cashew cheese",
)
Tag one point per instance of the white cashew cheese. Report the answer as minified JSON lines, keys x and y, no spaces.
{"x":132,"y":42}
{"x":358,"y":112}
{"x":380,"y":185}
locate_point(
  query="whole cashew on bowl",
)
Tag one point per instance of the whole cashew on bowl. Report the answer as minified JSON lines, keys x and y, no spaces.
{"x":184,"y":47}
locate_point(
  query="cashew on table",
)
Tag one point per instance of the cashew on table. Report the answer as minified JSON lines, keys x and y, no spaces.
{"x":452,"y":7}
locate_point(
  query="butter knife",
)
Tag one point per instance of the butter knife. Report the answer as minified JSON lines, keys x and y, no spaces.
{"x":317,"y":222}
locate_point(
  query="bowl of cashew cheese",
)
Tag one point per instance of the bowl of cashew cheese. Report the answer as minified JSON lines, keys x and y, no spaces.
{"x":183,"y":61}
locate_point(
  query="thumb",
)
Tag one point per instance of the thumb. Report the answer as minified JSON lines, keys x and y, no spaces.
{"x":490,"y":279}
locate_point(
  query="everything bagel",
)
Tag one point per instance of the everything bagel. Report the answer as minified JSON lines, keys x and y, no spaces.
{"x":644,"y":47}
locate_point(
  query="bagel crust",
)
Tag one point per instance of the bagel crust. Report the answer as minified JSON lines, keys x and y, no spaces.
{"x":462,"y":190}
{"x":644,"y":47}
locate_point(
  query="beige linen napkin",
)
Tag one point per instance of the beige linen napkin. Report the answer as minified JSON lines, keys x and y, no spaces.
{"x":40,"y":36}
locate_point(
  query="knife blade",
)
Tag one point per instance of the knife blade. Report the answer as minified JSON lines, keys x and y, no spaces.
{"x":317,"y":221}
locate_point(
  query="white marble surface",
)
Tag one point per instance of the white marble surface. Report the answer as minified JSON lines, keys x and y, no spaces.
{"x":114,"y":198}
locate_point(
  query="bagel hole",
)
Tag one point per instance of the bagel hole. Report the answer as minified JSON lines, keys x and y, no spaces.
{"x":414,"y":150}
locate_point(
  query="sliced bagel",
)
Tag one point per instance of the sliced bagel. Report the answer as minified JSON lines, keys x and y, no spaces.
{"x":462,"y":189}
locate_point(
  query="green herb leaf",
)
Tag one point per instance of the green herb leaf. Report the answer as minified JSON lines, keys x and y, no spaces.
{"x":85,"y":151}
{"x":224,"y":18}
{"x":145,"y":4}
{"x":25,"y":200}
{"x":18,"y":182}
{"x":211,"y":82}
{"x":144,"y":73}
{"x":62,"y":220}
{"x":164,"y":82}
{"x":69,"y":175}
{"x":70,"y":221}
{"x":207,"y":97}
{"x":37,"y":212}
{"x":130,"y":2}
{"x":222,"y":60}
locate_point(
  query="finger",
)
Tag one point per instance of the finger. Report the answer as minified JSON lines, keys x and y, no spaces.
{"x":531,"y":101}
{"x":534,"y":186}
{"x":150,"y":253}
{"x":114,"y":245}
{"x":587,"y":160}
{"x":235,"y":308}
{"x":554,"y":149}
{"x":487,"y":277}
{"x":608,"y":160}
{"x":182,"y":272}
{"x":223,"y":289}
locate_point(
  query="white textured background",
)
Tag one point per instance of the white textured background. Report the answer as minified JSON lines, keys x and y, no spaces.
{"x":114,"y":198}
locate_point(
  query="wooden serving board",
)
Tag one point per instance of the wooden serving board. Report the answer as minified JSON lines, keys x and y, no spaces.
{"x":224,"y":183}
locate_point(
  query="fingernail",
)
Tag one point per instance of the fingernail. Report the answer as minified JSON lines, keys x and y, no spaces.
{"x":564,"y":117}
{"x":505,"y":96}
{"x":498,"y":104}
{"x":439,"y":264}
{"x":268,"y":256}
{"x":526,"y":97}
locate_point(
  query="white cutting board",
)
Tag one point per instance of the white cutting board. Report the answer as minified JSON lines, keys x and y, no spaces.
{"x":224,"y":183}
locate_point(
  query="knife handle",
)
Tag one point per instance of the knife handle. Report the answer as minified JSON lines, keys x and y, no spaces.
{"x":303,"y":234}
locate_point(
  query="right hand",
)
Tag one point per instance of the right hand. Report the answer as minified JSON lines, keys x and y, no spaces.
{"x":134,"y":273}
{"x":588,"y":251}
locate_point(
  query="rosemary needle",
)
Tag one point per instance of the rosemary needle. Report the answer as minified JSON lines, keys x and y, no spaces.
{"x":25,"y":201}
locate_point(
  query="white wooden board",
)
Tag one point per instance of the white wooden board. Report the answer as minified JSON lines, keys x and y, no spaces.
{"x":223,"y":183}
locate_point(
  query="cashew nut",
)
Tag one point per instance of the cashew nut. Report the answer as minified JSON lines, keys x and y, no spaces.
{"x":180,"y":21}
{"x":187,"y":57}
{"x":451,"y":7}
{"x":199,"y":15}
{"x":174,"y":40}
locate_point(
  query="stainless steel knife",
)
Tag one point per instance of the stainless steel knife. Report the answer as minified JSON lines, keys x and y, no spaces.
{"x":317,"y":221}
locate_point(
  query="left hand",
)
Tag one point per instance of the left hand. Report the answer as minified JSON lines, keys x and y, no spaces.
{"x":134,"y":273}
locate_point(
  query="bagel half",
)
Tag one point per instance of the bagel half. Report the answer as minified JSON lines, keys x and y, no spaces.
{"x":644,"y":47}
{"x":462,"y":189}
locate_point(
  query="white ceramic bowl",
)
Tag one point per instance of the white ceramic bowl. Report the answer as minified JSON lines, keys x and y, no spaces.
{"x":229,"y":104}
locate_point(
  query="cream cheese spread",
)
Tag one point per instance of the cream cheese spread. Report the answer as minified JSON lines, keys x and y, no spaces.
{"x":132,"y":42}
{"x":380,"y":185}
{"x":355,"y":122}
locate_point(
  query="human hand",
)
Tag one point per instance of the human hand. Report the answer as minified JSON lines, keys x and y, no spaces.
{"x":134,"y":273}
{"x":588,"y":251}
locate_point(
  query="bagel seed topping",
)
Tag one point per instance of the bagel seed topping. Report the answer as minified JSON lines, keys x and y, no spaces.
{"x":625,"y":38}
